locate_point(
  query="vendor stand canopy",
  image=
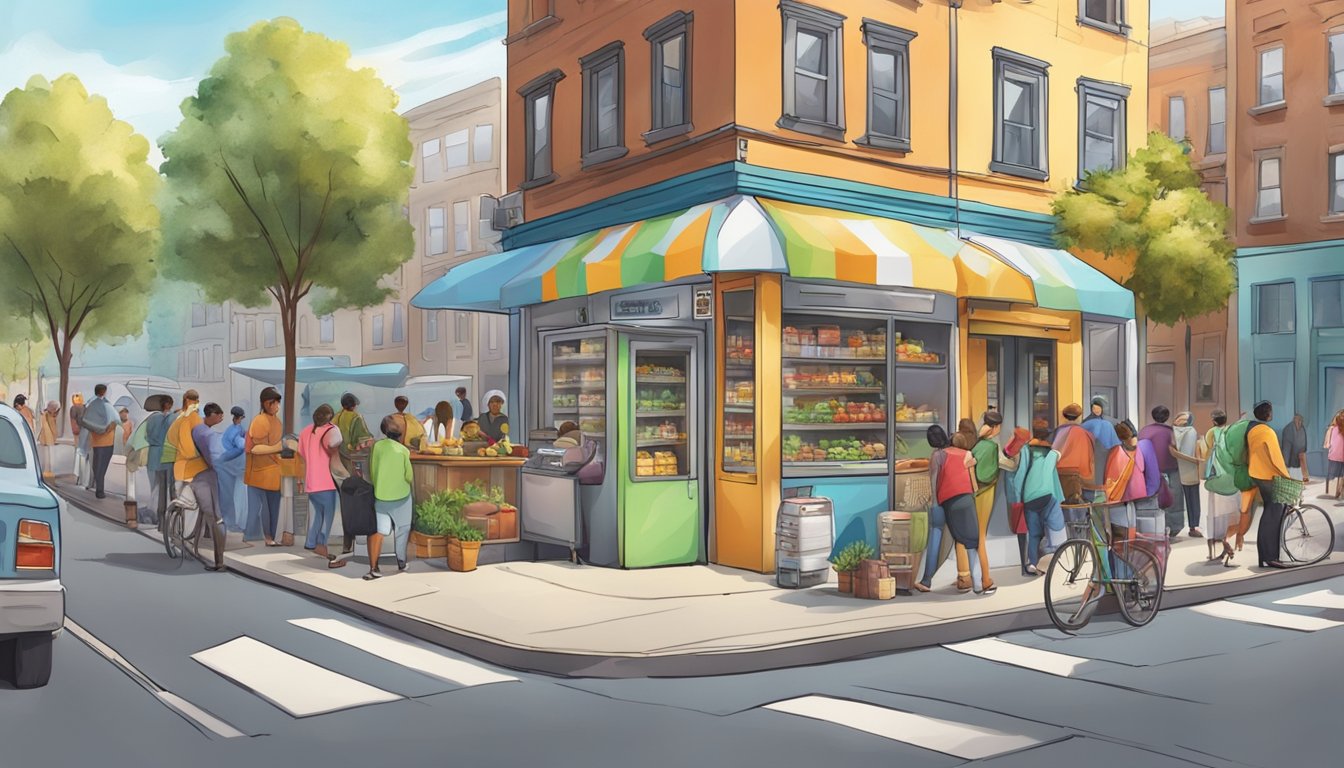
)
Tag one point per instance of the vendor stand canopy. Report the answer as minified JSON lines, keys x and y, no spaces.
{"x":748,"y":234}
{"x":271,"y":370}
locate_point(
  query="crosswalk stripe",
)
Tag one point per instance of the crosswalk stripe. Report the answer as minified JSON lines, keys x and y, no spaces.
{"x":1225,"y":609}
{"x":994,"y":649}
{"x":968,"y":742}
{"x":401,"y":652}
{"x":1321,"y":599}
{"x":299,"y":687}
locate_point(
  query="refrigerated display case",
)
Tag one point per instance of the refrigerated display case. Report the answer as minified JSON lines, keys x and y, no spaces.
{"x":739,"y":382}
{"x":578,"y":374}
{"x":922,"y":383}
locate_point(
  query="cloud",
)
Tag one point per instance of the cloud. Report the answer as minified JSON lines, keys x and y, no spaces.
{"x":425,"y":67}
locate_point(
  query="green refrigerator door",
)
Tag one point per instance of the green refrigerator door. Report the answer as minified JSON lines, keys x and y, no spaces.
{"x":661,"y":512}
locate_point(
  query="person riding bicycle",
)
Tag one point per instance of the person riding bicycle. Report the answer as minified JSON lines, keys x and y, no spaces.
{"x":1266,"y":463}
{"x":205,"y":484}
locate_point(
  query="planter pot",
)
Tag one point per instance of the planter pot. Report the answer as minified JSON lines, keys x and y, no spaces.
{"x":846,"y":582}
{"x":462,"y":555}
{"x":479,"y":509}
{"x":428,"y":547}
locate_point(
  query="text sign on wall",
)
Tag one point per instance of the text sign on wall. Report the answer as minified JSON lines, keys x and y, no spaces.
{"x":643,"y":309}
{"x":704,"y":303}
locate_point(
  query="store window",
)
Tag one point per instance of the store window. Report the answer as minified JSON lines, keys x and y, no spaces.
{"x":1337,"y":63}
{"x":1020,"y":109}
{"x":461,"y":227}
{"x":1101,"y":125}
{"x":1337,"y":184}
{"x":436,"y":221}
{"x":1206,"y":378}
{"x":670,"y":56}
{"x":1103,"y":14}
{"x":739,"y":381}
{"x":1271,"y":77}
{"x":1275,"y":308}
{"x":1217,"y":121}
{"x":1176,"y":118}
{"x":537,"y":107}
{"x":431,"y":165}
{"x":813,"y":71}
{"x":604,"y":104}
{"x":1269,"y":193}
{"x":455,"y":149}
{"x":326,"y":329}
{"x":1327,"y":303}
{"x":483,"y":143}
{"x":888,"y":86}
{"x":398,"y":324}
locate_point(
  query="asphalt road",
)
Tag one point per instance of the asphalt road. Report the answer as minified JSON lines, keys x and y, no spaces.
{"x":215,"y":671}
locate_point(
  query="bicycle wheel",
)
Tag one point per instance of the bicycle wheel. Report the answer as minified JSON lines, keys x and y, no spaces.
{"x":1140,"y":593}
{"x":1308,"y":534}
{"x":171,"y":529}
{"x":1072,"y":585}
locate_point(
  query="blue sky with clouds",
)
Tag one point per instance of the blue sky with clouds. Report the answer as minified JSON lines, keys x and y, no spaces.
{"x":1187,"y":9}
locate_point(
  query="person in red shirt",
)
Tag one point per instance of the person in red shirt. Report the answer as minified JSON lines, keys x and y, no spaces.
{"x":952,"y":484}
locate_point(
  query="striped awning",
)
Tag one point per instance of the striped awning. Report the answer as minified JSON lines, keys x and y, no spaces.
{"x":1063,"y":281}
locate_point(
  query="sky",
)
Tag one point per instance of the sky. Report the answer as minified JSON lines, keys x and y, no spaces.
{"x":1187,"y":9}
{"x":146,"y":56}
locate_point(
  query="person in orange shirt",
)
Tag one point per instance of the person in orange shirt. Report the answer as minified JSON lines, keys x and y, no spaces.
{"x":261,"y":474}
{"x":1077,"y":453}
{"x":1266,"y":464}
{"x":188,"y":462}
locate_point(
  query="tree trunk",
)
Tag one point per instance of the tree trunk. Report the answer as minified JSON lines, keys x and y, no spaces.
{"x":63,"y":354}
{"x":288,"y":315}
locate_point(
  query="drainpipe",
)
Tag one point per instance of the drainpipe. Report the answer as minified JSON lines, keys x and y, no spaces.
{"x":952,"y":76}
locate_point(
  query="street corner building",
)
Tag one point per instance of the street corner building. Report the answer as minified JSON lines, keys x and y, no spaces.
{"x":761,"y":246}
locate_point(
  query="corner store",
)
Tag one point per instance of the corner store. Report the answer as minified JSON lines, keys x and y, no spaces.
{"x":741,"y":270}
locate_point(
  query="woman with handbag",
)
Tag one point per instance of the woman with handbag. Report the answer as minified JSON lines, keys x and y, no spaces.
{"x":952,"y":485}
{"x":319,"y":445}
{"x":1221,"y":495}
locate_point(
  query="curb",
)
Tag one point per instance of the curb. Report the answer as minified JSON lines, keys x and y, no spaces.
{"x":572,"y":665}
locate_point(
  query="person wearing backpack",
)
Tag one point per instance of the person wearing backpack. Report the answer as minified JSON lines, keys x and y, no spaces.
{"x":1223,"y":504}
{"x":319,"y":445}
{"x":1264,"y":464}
{"x":1037,"y":484}
{"x":988,"y":456}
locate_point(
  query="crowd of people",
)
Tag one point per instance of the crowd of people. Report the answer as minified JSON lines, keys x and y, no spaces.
{"x":1166,"y":471}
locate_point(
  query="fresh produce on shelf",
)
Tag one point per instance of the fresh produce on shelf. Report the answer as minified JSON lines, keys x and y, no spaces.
{"x":594,"y":425}
{"x":835,"y":411}
{"x":591,"y":400}
{"x":821,"y":377}
{"x":560,"y":400}
{"x":911,"y":351}
{"x":592,"y":346}
{"x":654,"y":400}
{"x":659,"y":370}
{"x":850,"y":449}
{"x":923,"y":414}
{"x":593,"y":376}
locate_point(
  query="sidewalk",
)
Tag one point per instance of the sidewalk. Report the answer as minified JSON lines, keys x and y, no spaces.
{"x":584,"y":621}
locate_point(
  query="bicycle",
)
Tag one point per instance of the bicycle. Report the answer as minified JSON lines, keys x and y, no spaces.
{"x":1308,"y":533}
{"x":175,"y":540}
{"x":1078,"y":573}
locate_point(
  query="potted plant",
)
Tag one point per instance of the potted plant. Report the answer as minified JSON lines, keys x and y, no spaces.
{"x":847,"y":560}
{"x":464,"y":546}
{"x":434,"y":520}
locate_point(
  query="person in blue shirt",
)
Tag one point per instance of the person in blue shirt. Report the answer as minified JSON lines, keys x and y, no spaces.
{"x":464,"y":409}
{"x":160,"y":474}
{"x":227,"y":458}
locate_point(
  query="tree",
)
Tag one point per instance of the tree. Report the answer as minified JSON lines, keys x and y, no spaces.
{"x":78,"y":224}
{"x":288,"y":176}
{"x":22,"y":348}
{"x":1153,"y":214}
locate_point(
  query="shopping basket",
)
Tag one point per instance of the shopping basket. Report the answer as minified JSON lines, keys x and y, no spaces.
{"x":1079,"y":519}
{"x":1286,"y":490}
{"x":913,"y":492}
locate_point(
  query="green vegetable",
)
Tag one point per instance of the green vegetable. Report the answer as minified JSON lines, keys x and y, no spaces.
{"x":848,"y":558}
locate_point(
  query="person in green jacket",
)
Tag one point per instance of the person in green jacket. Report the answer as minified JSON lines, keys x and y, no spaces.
{"x":390,"y":470}
{"x":1037,"y":484}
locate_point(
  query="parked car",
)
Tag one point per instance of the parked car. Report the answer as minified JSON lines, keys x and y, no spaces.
{"x":32,"y":599}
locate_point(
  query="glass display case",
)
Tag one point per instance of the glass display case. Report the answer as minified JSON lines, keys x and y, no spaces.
{"x":661,"y":413}
{"x":579,"y":384}
{"x":835,"y":407}
{"x":921,"y":385}
{"x":739,"y":381}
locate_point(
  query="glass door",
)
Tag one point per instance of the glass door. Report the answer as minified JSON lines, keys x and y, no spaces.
{"x":662,"y":423}
{"x":739,"y":381}
{"x":579,"y":384}
{"x":1040,"y":379}
{"x":923,"y":385}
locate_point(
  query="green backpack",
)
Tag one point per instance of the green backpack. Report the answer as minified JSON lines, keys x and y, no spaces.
{"x":1232,"y":458}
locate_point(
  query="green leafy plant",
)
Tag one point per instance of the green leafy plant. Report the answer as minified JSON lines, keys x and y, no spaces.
{"x":849,"y":557}
{"x":467,"y":532}
{"x":434,"y":516}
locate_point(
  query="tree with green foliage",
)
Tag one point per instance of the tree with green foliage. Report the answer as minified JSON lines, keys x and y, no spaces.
{"x":23,"y":347}
{"x":1153,"y":214}
{"x":287,"y":180}
{"x":79,"y":227}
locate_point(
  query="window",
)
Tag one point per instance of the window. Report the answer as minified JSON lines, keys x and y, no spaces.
{"x":1275,"y":308}
{"x":1337,"y":184}
{"x":1327,"y":303}
{"x":603,"y":104}
{"x":219,"y":361}
{"x":1020,"y":111}
{"x":455,"y":149}
{"x":1101,"y":125}
{"x":1269,"y":197}
{"x":1336,"y":87}
{"x":537,"y":96}
{"x":398,"y":324}
{"x":268,"y":333}
{"x":326,"y":329}
{"x":461,"y":227}
{"x":214,"y":314}
{"x":813,"y":76}
{"x":1271,"y":77}
{"x":483,"y":143}
{"x":492,"y":334}
{"x":1176,"y":117}
{"x":303,"y":332}
{"x":1205,"y":380}
{"x":436,"y":221}
{"x":1105,"y":14}
{"x":431,"y":326}
{"x":431,"y":165}
{"x":251,"y":334}
{"x":197,"y":315}
{"x":377,"y":331}
{"x":193,"y":364}
{"x":670,"y":52}
{"x":888,"y":86}
{"x":461,"y":329}
{"x":1217,"y":121}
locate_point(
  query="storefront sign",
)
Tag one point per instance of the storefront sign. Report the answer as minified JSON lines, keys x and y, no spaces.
{"x":643,"y":309}
{"x":704,"y":304}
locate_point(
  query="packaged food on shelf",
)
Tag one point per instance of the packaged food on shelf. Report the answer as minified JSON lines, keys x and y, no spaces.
{"x":796,"y":449}
{"x":593,"y":425}
{"x":591,"y":400}
{"x":660,"y":371}
{"x":828,"y":335}
{"x":911,"y":351}
{"x":593,"y":376}
{"x":826,"y":377}
{"x":592,"y":346}
{"x":562,"y":400}
{"x":839,"y":410}
{"x":920,"y":414}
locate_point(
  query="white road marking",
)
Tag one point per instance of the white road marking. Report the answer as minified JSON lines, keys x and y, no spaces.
{"x":183,"y":707}
{"x":406,"y":654}
{"x":1225,"y":609}
{"x":950,"y":738}
{"x":299,"y":687}
{"x":994,"y":649}
{"x":1321,"y":599}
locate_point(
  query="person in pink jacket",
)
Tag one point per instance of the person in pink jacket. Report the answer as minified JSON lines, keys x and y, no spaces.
{"x":1125,"y":482}
{"x":1334,"y":447}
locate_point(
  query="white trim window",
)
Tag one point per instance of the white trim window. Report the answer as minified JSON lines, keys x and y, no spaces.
{"x":1271,"y":76}
{"x":483,"y":143}
{"x":1176,"y":118}
{"x":455,"y":150}
{"x":1269,"y":188}
{"x":1217,"y":144}
{"x":436,"y":223}
{"x":1335,"y":87}
{"x":326,"y":329}
{"x":1337,"y":184}
{"x":431,"y":162}
{"x":461,"y":227}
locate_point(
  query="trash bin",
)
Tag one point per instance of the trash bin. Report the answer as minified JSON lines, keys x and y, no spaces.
{"x":804,"y":536}
{"x":902,"y":537}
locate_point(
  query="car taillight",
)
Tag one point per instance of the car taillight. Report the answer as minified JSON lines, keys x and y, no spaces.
{"x":35,"y":549}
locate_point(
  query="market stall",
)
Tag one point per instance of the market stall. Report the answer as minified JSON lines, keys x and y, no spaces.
{"x":436,"y":473}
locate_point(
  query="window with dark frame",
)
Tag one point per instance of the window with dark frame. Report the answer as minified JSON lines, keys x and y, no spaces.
{"x":1101,"y":125}
{"x":1269,"y":188}
{"x":1271,"y":76}
{"x":1104,"y":14}
{"x":813,"y":71}
{"x":1275,"y":308}
{"x":1327,"y":303}
{"x":1021,"y":108}
{"x":888,"y":85}
{"x":1176,"y":117}
{"x":604,"y":104}
{"x":1217,"y":121}
{"x":538,"y":103}
{"x":670,"y":77}
{"x":1337,"y":184}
